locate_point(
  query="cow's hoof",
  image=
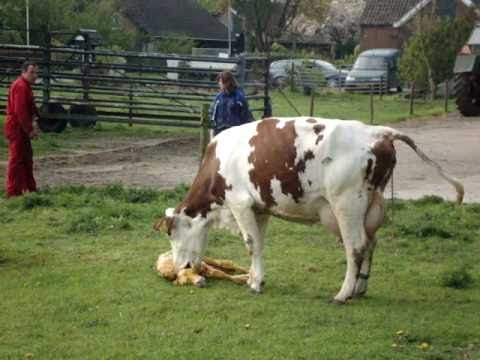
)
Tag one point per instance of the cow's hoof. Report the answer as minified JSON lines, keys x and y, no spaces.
{"x":338,"y":302}
{"x":360,"y":288}
{"x":256,"y":288}
{"x":360,"y":294}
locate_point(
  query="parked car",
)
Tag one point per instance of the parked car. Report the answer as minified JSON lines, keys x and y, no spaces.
{"x":377,"y":68}
{"x":207,"y":69}
{"x":280,"y":71}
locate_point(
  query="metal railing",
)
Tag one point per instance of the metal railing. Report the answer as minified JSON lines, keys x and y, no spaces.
{"x":83,"y":85}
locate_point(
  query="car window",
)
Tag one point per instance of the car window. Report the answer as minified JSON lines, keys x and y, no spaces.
{"x":325,"y":65}
{"x":280,"y":64}
{"x":276,"y":65}
{"x":370,"y":63}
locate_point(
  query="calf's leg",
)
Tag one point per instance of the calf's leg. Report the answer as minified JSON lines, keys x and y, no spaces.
{"x":212,"y":272}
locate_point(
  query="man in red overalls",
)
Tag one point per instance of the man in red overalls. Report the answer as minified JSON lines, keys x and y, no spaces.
{"x":20,"y":127}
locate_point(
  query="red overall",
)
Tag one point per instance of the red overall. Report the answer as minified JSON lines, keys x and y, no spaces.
{"x":18,"y":126}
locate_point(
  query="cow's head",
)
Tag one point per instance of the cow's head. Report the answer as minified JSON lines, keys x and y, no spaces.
{"x":188,"y":238}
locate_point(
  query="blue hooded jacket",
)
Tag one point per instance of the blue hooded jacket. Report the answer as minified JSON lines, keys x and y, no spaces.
{"x":230,"y":109}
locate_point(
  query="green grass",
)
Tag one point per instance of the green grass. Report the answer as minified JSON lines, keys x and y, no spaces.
{"x":77,"y":282}
{"x":351,"y":106}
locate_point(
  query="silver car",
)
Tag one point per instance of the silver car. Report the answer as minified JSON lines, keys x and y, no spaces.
{"x":280,"y":71}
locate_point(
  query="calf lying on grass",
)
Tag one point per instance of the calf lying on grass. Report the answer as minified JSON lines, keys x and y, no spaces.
{"x":309,"y":170}
{"x":209,"y":267}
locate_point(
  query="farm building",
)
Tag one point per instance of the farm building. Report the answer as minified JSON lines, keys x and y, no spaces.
{"x":156,"y":20}
{"x":389,"y":23}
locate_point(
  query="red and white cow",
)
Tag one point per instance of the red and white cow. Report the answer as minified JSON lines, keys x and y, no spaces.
{"x":304,"y":169}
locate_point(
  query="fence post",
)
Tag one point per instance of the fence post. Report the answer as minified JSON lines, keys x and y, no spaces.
{"x":46,"y":78}
{"x":243,"y":70}
{"x":371,"y":104}
{"x":446,"y":96}
{"x":86,"y":68}
{"x":383,"y":86}
{"x":267,"y":106}
{"x":130,"y":104}
{"x":204,"y":130}
{"x":392,"y":199}
{"x":292,"y":77}
{"x":312,"y":101}
{"x":412,"y":96}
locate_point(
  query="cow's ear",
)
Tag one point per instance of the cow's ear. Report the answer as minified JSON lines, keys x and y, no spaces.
{"x":165,"y":224}
{"x":161,"y":225}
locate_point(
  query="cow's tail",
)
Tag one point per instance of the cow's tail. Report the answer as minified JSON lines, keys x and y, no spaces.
{"x":455,"y":183}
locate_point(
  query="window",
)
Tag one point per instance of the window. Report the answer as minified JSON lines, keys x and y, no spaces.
{"x":446,"y":8}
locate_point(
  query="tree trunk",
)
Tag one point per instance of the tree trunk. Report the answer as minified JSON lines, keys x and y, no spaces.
{"x":433,"y":89}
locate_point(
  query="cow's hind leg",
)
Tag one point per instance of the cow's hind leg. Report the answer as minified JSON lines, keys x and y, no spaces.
{"x":252,"y":227}
{"x":364,"y":273}
{"x":373,"y":220}
{"x":350,"y":210}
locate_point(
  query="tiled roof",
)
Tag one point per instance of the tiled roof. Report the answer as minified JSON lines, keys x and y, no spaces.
{"x":164,"y":17}
{"x":385,"y":12}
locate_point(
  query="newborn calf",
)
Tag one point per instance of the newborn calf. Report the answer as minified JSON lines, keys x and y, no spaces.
{"x":212,"y":268}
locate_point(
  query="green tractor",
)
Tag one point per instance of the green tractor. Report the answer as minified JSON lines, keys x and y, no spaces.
{"x":467,"y":76}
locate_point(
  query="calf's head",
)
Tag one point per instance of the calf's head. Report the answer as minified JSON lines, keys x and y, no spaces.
{"x":188,"y":238}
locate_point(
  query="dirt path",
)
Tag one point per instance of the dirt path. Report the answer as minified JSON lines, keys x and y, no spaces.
{"x":158,"y":164}
{"x":451,"y":141}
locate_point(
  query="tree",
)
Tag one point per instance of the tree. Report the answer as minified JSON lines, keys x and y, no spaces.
{"x":266,"y":20}
{"x":342,"y":25}
{"x":214,"y":6}
{"x":63,"y":15}
{"x":430,"y":54}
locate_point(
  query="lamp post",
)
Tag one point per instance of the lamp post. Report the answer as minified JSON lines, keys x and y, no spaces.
{"x":229,"y":23}
{"x":27,"y":19}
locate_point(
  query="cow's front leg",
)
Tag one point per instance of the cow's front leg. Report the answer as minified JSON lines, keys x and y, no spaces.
{"x":253,"y":227}
{"x":257,"y":272}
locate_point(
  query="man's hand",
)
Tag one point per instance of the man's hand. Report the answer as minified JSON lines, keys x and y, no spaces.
{"x":36,"y":129}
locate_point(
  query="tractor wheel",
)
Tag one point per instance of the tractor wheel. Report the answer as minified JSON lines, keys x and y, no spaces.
{"x":52,"y":125}
{"x":83,"y":109}
{"x":467,"y":93}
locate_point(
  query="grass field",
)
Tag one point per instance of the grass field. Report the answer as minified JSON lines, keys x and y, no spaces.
{"x":77,"y":279}
{"x":77,"y":282}
{"x":351,"y":106}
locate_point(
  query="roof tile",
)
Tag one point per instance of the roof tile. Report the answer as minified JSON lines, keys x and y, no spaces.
{"x":385,"y":12}
{"x":163,"y":17}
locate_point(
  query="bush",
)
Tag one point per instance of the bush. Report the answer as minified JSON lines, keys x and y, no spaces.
{"x":458,"y":278}
{"x":424,"y":231}
{"x":34,"y":200}
{"x":134,"y":196}
{"x":429,"y":200}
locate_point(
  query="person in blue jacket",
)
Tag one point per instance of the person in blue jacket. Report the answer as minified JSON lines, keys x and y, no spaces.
{"x":230,"y":107}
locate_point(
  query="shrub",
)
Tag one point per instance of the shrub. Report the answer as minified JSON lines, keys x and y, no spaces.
{"x":424,"y":231}
{"x":458,"y":278}
{"x":429,"y":200}
{"x":34,"y":200}
{"x":84,"y":222}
